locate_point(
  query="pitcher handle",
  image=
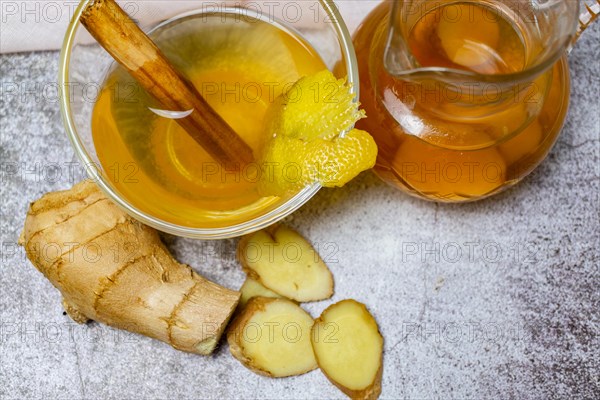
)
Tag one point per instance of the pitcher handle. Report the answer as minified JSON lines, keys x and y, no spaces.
{"x":586,"y":18}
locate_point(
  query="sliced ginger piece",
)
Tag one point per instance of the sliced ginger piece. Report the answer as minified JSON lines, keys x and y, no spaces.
{"x":467,"y":174}
{"x":349,"y":349}
{"x":272,"y":337}
{"x":286,"y":263}
{"x":253,"y":288}
{"x":470,"y":41}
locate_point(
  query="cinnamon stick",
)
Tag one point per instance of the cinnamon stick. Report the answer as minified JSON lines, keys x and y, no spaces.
{"x":118,"y":34}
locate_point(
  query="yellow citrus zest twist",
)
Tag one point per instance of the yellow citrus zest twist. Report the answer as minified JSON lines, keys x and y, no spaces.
{"x":306,"y":122}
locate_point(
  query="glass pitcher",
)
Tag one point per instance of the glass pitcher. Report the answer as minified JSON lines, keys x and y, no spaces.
{"x":464,"y":98}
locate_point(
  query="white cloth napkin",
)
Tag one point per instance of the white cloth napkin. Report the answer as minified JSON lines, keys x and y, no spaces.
{"x":30,"y":25}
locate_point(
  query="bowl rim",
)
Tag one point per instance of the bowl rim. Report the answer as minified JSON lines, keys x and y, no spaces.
{"x":259,"y":222}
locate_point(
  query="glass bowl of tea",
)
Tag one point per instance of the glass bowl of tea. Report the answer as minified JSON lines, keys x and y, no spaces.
{"x":240,"y":56}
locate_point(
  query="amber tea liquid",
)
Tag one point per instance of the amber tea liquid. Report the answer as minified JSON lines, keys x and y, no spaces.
{"x":429,"y":144}
{"x":240,"y":64}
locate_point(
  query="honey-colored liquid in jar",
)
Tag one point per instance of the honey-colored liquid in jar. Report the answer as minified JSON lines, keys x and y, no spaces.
{"x":240,"y":66}
{"x":472,"y":38}
{"x":453,"y":156}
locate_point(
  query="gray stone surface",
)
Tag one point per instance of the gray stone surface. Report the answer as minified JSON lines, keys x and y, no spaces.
{"x":515,"y":317}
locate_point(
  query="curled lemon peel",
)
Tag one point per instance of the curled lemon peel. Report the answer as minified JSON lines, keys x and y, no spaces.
{"x":306,"y":147}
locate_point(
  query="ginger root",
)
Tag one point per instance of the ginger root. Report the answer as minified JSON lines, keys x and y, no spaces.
{"x":272,"y":337}
{"x":349,"y":349}
{"x":284,"y":262}
{"x":112,"y":269}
